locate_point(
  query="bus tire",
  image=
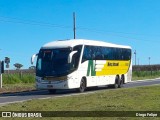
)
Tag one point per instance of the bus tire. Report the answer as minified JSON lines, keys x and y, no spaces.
{"x":121,"y":82}
{"x":117,"y":82}
{"x":52,"y":91}
{"x":82,"y":87}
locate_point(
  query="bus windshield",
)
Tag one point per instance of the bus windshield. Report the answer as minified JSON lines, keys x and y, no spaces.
{"x":54,"y":62}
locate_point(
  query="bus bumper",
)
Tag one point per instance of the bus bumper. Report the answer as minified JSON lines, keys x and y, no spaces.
{"x":57,"y":85}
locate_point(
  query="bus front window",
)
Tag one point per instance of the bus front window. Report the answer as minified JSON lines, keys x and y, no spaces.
{"x":54,"y":62}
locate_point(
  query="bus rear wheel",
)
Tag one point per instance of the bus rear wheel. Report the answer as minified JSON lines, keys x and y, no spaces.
{"x":82,"y":87}
{"x":117,"y":82}
{"x":121,"y":83}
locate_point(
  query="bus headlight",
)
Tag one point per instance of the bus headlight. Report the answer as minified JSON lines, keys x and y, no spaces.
{"x":69,"y":77}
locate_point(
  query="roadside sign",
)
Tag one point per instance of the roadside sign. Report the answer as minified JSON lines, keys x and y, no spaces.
{"x":7,"y":60}
{"x":7,"y":66}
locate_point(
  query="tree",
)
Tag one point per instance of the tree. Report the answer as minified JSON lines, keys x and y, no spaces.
{"x":18,"y":66}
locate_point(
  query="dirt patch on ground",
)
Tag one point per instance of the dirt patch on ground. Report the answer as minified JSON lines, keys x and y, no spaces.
{"x":16,"y":88}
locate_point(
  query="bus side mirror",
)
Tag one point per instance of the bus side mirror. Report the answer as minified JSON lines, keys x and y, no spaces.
{"x":70,"y":56}
{"x":33,"y":58}
{"x":2,"y":66}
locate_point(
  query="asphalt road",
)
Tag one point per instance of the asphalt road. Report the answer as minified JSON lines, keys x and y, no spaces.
{"x":44,"y":94}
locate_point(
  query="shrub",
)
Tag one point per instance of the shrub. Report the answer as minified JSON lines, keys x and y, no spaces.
{"x":18,"y":78}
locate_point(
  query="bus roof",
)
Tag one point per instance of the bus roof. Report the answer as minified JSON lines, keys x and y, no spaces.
{"x":74,"y":42}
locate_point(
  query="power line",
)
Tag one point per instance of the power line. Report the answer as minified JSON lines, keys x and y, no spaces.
{"x":115,"y":32}
{"x":118,"y":34}
{"x":32,"y":22}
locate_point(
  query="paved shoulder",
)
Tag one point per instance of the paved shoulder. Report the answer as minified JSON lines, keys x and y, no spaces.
{"x":142,"y":83}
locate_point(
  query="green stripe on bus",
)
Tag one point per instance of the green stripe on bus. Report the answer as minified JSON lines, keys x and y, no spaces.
{"x":91,"y":68}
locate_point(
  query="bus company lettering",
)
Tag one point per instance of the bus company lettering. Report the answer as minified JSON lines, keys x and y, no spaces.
{"x":113,"y":64}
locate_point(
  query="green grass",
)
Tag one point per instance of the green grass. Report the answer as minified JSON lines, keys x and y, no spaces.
{"x":18,"y":78}
{"x":18,"y":82}
{"x":126,"y":99}
{"x":140,"y":75}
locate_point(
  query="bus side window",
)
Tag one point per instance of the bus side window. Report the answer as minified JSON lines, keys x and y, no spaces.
{"x":84,"y":57}
{"x":93,"y":54}
{"x":76,"y":57}
{"x":75,"y":60}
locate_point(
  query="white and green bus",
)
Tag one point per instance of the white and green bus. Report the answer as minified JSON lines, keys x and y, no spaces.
{"x":79,"y":64}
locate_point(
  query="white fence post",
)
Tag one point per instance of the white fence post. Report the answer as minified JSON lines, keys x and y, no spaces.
{"x":1,"y":81}
{"x":0,"y":74}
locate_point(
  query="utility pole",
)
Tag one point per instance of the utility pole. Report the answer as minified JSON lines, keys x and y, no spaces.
{"x":149,"y":60}
{"x":1,"y":73}
{"x":135,"y":56}
{"x":74,"y":25}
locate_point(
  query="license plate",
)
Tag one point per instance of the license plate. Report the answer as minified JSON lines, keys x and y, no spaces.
{"x":50,"y":86}
{"x":46,"y":78}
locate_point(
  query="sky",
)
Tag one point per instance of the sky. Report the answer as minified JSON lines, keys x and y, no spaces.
{"x":26,"y":25}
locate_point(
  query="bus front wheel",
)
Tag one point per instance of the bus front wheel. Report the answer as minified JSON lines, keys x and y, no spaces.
{"x":82,"y":85}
